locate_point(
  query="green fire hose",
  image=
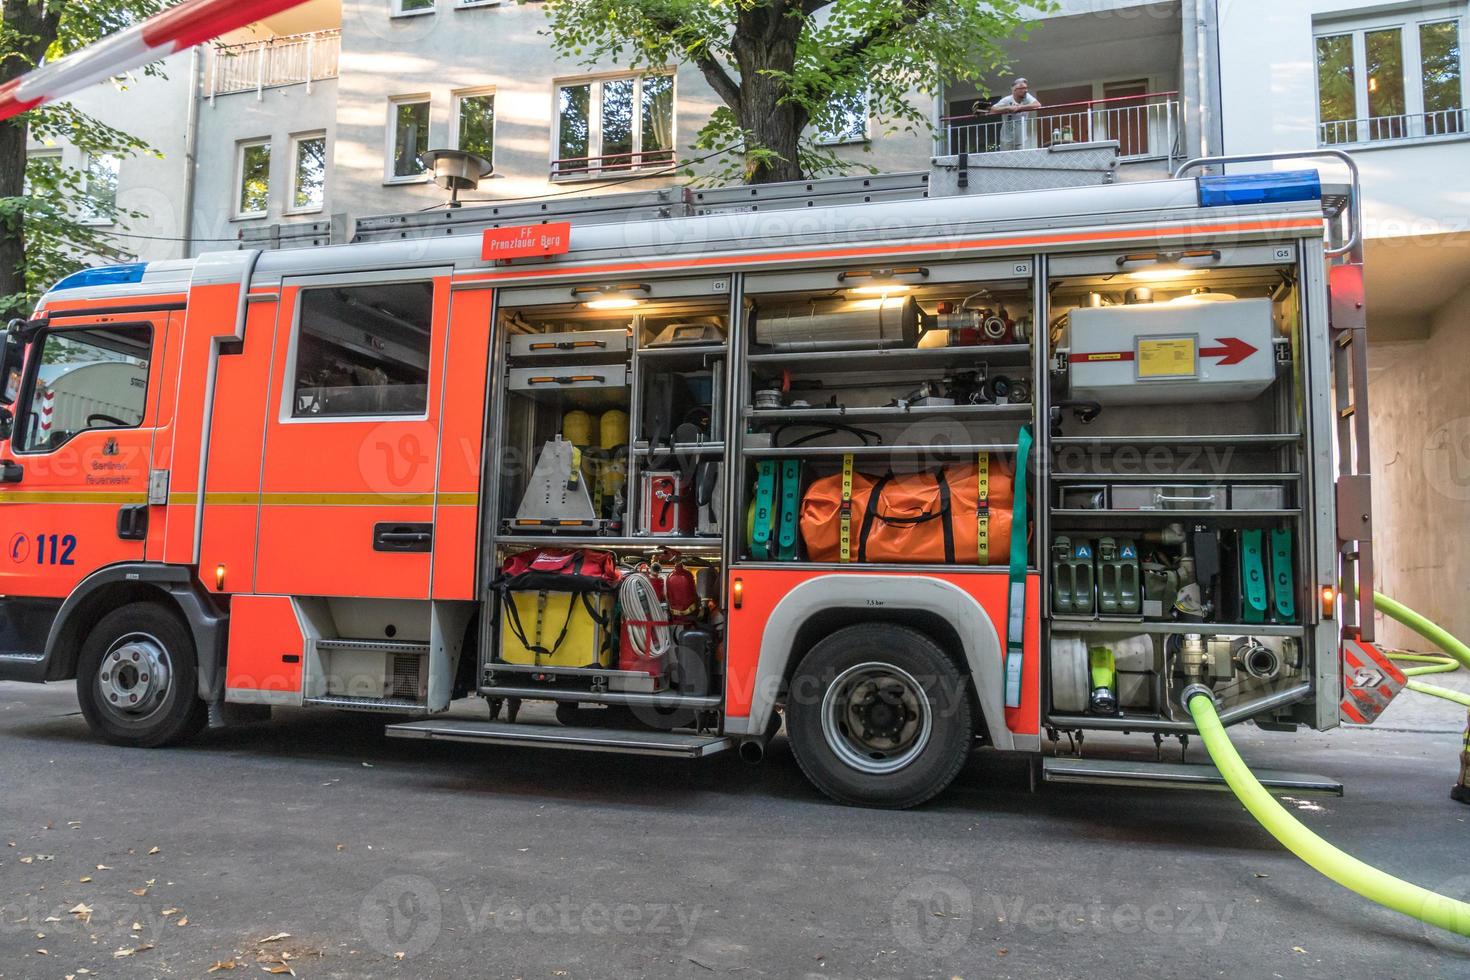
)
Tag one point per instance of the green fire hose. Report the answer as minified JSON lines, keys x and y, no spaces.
{"x":1378,"y":886}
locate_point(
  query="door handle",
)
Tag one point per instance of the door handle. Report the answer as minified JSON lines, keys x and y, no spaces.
{"x":11,"y":471}
{"x":132,"y":522}
{"x":403,"y":537}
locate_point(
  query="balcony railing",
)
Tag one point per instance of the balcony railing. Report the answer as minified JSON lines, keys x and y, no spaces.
{"x":1422,"y":125}
{"x":610,"y":164}
{"x":290,"y":59}
{"x":1147,"y":127}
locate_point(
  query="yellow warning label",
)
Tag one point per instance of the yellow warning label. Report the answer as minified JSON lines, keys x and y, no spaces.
{"x":1166,"y":357}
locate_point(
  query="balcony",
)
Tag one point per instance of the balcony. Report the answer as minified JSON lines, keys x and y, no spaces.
{"x":1381,"y":129}
{"x":287,"y":59}
{"x":1146,"y":127}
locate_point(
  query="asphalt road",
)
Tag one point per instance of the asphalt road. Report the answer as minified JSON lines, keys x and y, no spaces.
{"x":392,"y":858}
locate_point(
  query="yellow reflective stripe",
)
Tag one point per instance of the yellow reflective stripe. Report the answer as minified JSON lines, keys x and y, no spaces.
{"x":844,"y":546}
{"x":982,"y":514}
{"x":73,"y":497}
{"x":249,"y":498}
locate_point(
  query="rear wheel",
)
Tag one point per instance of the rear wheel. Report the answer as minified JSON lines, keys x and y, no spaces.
{"x":878,"y":715}
{"x":137,"y":678}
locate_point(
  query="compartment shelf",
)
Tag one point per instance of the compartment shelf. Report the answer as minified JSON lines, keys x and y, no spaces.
{"x":1219,"y":514}
{"x":681,"y":449}
{"x":607,"y":541}
{"x":1076,"y":624}
{"x":1174,"y":477}
{"x":777,"y":452}
{"x":692,"y":352}
{"x":891,"y":413}
{"x":1209,"y":439}
{"x":896,"y":359}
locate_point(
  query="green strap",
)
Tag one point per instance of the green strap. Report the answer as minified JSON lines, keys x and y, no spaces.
{"x":790,"y":509}
{"x":765,"y":502}
{"x":1016,"y":602}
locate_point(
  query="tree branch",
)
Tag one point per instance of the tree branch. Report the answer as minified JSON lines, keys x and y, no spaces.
{"x":913,"y":10}
{"x":719,"y":79}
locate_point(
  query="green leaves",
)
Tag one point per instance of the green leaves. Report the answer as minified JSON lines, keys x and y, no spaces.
{"x":53,"y":218}
{"x":892,"y":54}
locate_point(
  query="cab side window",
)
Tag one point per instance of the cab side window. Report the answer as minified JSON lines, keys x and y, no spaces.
{"x":363,"y":350}
{"x":88,"y":378}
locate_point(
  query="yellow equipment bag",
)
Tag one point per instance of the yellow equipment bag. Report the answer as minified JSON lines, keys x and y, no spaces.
{"x":556,"y":629}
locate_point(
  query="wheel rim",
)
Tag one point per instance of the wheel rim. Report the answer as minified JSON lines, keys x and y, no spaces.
{"x":135,"y":677}
{"x":876,"y":717}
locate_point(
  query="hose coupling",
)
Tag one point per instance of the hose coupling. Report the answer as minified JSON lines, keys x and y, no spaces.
{"x":1189,"y":692}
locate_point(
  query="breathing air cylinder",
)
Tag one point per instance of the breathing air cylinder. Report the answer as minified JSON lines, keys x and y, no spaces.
{"x":576,"y":428}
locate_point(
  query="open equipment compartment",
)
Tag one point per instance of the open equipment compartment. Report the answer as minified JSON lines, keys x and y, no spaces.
{"x":1176,"y":496}
{"x":609,"y":423}
{"x":897,"y":390}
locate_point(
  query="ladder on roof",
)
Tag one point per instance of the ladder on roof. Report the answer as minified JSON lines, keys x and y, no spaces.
{"x":1348,"y":334}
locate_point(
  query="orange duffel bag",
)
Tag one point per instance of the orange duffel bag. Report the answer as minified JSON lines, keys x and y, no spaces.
{"x":960,"y":515}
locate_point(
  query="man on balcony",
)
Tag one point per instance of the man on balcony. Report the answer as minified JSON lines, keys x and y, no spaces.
{"x":1014,"y":127}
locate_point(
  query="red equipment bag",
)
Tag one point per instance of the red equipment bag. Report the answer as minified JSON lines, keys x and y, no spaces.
{"x":560,"y":569}
{"x":959,"y":515}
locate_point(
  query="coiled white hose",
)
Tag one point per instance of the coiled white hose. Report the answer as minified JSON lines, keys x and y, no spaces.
{"x":653,"y":636}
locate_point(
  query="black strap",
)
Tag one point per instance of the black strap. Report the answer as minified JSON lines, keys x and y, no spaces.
{"x":945,"y":510}
{"x":870,"y":514}
{"x":520,"y":632}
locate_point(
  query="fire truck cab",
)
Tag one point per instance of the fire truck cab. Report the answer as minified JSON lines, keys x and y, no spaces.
{"x":915,"y":475}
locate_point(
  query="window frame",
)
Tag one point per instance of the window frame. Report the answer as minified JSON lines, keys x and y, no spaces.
{"x":32,"y":372}
{"x":390,"y":145}
{"x":296,"y":140}
{"x":88,"y":159}
{"x":457,"y":97}
{"x":237,"y":186}
{"x":396,"y":11}
{"x":1408,"y":21}
{"x":594,"y":124}
{"x":285,"y":414}
{"x":843,"y":139}
{"x":472,"y":4}
{"x":53,"y":153}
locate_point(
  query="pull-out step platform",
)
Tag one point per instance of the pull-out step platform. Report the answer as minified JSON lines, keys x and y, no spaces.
{"x":669,"y":744}
{"x":1174,"y":775}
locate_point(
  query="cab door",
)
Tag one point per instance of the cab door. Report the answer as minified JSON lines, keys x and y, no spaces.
{"x":347,"y":495}
{"x":76,"y":496}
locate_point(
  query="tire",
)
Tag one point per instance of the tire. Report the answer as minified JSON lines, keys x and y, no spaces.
{"x":878,"y":715}
{"x":137,"y":678}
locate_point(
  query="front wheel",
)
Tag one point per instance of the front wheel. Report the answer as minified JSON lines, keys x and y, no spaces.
{"x":878,"y":715}
{"x":137,"y":680}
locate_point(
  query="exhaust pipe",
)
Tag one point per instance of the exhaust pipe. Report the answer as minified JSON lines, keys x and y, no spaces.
{"x":753,"y":751}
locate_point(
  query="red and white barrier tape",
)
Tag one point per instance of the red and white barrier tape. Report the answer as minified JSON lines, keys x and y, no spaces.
{"x":176,"y":29}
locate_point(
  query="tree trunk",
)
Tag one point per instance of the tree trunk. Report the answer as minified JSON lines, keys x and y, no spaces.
{"x":33,"y":28}
{"x":765,"y":40}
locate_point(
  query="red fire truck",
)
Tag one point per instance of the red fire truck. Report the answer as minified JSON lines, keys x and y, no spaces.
{"x":913,"y":475}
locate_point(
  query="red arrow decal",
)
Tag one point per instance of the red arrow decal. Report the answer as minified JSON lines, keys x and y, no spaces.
{"x":1232,"y":350}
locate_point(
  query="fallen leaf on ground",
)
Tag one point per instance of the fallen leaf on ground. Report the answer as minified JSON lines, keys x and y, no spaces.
{"x":276,"y":938}
{"x":183,"y":921}
{"x":42,"y":952}
{"x":82,"y":911}
{"x":84,"y":879}
{"x":104,"y":867}
{"x":137,"y":927}
{"x":228,"y":964}
{"x":399,"y":956}
{"x":154,"y":850}
{"x":26,"y":860}
{"x":278,"y":968}
{"x":140,"y":892}
{"x":169,"y":912}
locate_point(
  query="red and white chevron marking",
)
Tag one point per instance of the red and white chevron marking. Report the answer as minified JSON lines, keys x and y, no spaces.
{"x":176,"y":29}
{"x":48,"y":408}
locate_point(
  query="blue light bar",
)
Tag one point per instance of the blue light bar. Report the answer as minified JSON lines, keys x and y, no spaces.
{"x":1267,"y":188}
{"x":107,"y":275}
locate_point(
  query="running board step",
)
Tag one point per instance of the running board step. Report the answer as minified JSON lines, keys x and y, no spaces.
{"x":669,"y":744}
{"x":1175,"y":775}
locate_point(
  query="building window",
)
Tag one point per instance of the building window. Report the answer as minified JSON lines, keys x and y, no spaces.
{"x":39,"y":163}
{"x":1391,"y":77}
{"x":461,"y":4}
{"x":363,"y":350}
{"x":612,"y":125}
{"x":308,"y":172}
{"x":412,"y":8}
{"x":474,"y":117}
{"x":254,"y":180}
{"x":410,"y":134}
{"x":99,"y":204}
{"x":846,"y":120}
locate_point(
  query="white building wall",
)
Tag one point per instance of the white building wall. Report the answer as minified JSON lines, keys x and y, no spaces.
{"x":153,"y":109}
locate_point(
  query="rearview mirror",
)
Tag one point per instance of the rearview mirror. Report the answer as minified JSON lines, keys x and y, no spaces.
{"x":11,"y":358}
